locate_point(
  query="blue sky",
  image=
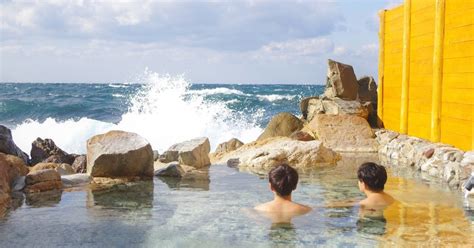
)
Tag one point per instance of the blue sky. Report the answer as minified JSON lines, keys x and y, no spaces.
{"x":250,"y":41}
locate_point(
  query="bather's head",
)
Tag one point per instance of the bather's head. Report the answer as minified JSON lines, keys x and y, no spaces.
{"x":283,"y":179}
{"x":372,"y":176}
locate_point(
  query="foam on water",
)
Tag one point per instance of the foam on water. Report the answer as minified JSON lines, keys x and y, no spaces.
{"x":164,"y":112}
{"x":274,"y":97}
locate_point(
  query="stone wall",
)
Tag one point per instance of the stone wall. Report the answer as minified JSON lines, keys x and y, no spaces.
{"x":436,"y":160}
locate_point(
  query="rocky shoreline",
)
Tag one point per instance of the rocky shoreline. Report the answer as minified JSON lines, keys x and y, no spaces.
{"x":342,"y":120}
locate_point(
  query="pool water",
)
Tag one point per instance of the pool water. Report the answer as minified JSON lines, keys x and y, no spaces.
{"x":214,"y":209}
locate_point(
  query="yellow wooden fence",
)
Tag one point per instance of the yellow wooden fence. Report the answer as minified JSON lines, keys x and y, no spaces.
{"x":426,"y":70}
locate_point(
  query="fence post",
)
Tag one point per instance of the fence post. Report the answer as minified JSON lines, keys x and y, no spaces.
{"x":437,"y":71}
{"x":381,"y":64}
{"x":405,"y":67}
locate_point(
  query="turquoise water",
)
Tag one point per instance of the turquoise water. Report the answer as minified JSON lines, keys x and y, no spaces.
{"x":215,"y":210}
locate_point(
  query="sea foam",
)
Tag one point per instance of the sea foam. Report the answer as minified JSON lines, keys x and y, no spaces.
{"x":164,"y":112}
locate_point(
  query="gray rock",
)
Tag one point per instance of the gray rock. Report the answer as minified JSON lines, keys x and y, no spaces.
{"x":282,"y":124}
{"x":80,"y":164}
{"x":194,"y":153}
{"x":341,"y":81}
{"x":171,"y":170}
{"x":47,"y":151}
{"x":19,"y":183}
{"x":119,"y":154}
{"x":7,"y":145}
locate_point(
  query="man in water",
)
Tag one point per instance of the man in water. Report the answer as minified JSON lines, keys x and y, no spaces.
{"x":283,"y":180}
{"x":372,"y":178}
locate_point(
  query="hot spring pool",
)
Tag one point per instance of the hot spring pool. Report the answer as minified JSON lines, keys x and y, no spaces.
{"x":214,"y":210}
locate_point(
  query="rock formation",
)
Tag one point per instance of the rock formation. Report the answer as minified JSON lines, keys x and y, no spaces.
{"x":341,"y":81}
{"x":43,"y":180}
{"x":7,"y":145}
{"x":282,"y":124}
{"x":47,"y":151}
{"x":261,"y":156}
{"x":193,"y":153}
{"x":119,"y":154}
{"x":344,"y":133}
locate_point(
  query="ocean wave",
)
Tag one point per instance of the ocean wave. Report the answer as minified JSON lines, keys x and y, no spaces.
{"x":163,"y":112}
{"x":119,"y":85}
{"x":215,"y":91}
{"x":274,"y":97}
{"x":118,"y":95}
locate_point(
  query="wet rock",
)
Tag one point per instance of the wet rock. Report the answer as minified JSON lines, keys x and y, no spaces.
{"x":47,"y":151}
{"x":43,"y":180}
{"x":335,"y":106}
{"x":300,"y":154}
{"x":282,"y":124}
{"x":193,"y":153}
{"x":341,"y":81}
{"x":119,"y":154}
{"x":62,"y":169}
{"x":80,"y":164}
{"x":344,"y":133}
{"x":171,"y":170}
{"x":75,"y":179}
{"x":228,"y":146}
{"x":301,"y":136}
{"x":7,"y":145}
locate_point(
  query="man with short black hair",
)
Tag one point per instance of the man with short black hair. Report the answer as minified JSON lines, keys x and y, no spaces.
{"x":372,"y":178}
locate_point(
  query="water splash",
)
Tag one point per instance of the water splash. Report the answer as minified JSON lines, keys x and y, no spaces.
{"x":164,"y":112}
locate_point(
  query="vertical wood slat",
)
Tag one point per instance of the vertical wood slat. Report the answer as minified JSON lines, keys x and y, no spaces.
{"x":381,"y":64}
{"x":437,"y":71}
{"x":405,"y":67}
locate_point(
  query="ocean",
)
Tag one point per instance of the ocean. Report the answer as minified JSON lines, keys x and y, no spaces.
{"x":163,"y":109}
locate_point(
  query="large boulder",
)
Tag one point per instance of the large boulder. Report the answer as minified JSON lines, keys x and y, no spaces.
{"x":260,"y":157}
{"x":62,"y":169}
{"x":335,"y":106}
{"x":193,"y":153}
{"x":47,"y":151}
{"x":43,"y":180}
{"x":341,"y":81}
{"x":7,"y":145}
{"x":282,"y":124}
{"x":119,"y":154}
{"x":12,"y":169}
{"x":344,"y":133}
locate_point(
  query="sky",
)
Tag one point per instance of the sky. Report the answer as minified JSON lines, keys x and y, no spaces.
{"x":241,"y":41}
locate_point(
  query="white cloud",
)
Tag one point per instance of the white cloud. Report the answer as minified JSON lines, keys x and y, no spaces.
{"x":298,"y":47}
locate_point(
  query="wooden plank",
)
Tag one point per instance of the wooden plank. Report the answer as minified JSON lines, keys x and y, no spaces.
{"x":458,"y":81}
{"x":459,"y":50}
{"x":458,"y":65}
{"x":458,"y":110}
